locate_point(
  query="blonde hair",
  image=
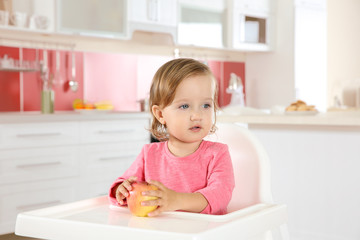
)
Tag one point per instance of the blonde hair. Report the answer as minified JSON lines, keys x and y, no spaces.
{"x":164,"y":85}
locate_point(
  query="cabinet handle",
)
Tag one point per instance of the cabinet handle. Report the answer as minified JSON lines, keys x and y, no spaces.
{"x":37,"y":205}
{"x":30,"y":135}
{"x":38,"y":164}
{"x":116,"y":131}
{"x":116,"y":157}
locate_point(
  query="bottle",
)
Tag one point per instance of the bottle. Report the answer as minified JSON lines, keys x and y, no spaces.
{"x":47,"y":99}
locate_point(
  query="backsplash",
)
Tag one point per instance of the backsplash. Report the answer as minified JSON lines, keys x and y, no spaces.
{"x":122,"y":79}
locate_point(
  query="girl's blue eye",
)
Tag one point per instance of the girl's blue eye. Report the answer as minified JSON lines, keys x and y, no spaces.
{"x":184,"y":106}
{"x":207,"y":105}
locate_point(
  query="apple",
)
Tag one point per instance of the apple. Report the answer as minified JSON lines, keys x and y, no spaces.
{"x":135,"y":198}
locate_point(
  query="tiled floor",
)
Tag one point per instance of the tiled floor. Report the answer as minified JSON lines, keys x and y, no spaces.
{"x":12,"y":236}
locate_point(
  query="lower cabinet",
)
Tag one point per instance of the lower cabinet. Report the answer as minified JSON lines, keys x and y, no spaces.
{"x":39,"y":168}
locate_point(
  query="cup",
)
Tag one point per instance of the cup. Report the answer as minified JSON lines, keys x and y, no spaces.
{"x":41,"y":22}
{"x":18,"y":19}
{"x":4,"y":18}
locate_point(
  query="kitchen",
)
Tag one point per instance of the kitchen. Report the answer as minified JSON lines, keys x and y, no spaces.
{"x":269,"y":70}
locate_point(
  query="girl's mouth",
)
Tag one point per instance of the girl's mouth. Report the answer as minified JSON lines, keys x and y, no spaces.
{"x":195,"y":128}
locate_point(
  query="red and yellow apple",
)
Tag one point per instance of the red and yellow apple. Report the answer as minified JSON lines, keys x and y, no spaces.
{"x":135,"y":198}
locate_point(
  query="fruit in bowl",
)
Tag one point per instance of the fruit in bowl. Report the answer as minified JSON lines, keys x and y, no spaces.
{"x":135,"y":198}
{"x":89,"y":106}
{"x":104,"y":105}
{"x":78,"y":104}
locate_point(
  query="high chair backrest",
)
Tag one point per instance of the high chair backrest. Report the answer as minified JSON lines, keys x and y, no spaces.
{"x":250,"y":163}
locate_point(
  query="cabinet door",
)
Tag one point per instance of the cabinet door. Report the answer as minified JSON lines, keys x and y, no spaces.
{"x":24,"y":135}
{"x":252,"y":25}
{"x":260,"y":6}
{"x":30,"y":199}
{"x":158,"y":16}
{"x":158,"y":12}
{"x":38,"y":164}
{"x":96,"y":17}
{"x":202,"y":23}
{"x":114,"y":131}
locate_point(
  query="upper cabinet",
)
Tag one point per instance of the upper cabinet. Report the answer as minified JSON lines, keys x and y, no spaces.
{"x":28,"y":15}
{"x":243,"y":25}
{"x":153,"y":16}
{"x":105,"y":18}
{"x":252,"y":25}
{"x":202,"y":23}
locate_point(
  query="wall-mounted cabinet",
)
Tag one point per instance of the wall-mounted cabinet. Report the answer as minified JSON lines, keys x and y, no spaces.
{"x":104,"y":18}
{"x":28,"y":15}
{"x":252,"y":25}
{"x":202,"y":23}
{"x":241,"y":25}
{"x":153,"y":16}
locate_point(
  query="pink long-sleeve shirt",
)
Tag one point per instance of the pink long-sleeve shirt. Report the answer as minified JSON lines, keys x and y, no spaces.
{"x":208,"y":171}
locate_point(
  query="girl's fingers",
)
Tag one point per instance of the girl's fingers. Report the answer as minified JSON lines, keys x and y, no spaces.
{"x":119,"y":197}
{"x":153,"y":193}
{"x":155,"y":212}
{"x":132,"y":179}
{"x":155,"y":202}
{"x":157,"y":184}
{"x":127,"y":185}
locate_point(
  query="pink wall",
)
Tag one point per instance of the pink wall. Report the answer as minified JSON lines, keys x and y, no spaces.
{"x":120,"y":78}
{"x":10,"y":83}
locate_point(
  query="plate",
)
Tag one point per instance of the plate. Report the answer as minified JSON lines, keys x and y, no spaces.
{"x":92,"y":111}
{"x":301,"y":113}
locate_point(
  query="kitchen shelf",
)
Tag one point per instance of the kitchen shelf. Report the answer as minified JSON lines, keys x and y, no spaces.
{"x":15,"y":69}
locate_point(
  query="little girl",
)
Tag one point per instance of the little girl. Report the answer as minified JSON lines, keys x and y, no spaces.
{"x":191,"y":174}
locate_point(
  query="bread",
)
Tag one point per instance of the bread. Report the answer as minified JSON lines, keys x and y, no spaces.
{"x":300,"y":105}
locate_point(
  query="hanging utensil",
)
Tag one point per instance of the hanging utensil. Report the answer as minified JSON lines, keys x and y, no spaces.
{"x":74,"y":85}
{"x":58,"y":80}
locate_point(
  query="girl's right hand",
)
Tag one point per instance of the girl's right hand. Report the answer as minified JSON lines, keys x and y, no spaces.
{"x":122,"y":191}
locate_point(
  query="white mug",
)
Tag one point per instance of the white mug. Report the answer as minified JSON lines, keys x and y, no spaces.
{"x":4,"y":18}
{"x":18,"y":19}
{"x":41,"y":22}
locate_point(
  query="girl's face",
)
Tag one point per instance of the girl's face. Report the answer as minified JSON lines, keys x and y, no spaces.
{"x":189,"y":117}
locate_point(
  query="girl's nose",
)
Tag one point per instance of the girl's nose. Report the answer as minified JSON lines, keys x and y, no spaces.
{"x":195,"y":116}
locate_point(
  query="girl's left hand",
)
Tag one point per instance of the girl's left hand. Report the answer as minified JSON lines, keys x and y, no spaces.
{"x":166,"y":199}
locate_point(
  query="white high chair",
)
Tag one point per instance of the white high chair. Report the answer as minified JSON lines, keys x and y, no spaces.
{"x":252,"y":214}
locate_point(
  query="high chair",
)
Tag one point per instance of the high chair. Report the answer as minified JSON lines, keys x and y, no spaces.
{"x":251,"y":211}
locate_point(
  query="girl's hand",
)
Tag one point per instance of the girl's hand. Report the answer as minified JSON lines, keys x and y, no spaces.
{"x":166,"y":199}
{"x":122,"y":191}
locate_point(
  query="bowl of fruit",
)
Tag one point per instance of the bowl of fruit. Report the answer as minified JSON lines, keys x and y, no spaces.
{"x":83,"y":106}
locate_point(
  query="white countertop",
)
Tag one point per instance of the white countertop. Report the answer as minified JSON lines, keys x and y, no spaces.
{"x":320,"y":119}
{"x":25,"y":117}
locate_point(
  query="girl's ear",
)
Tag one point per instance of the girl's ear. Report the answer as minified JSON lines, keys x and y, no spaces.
{"x":157,"y":111}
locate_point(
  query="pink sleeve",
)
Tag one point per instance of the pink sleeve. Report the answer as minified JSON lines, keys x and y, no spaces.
{"x":220,"y":183}
{"x":136,"y":169}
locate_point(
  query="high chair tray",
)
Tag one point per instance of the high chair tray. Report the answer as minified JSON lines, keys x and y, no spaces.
{"x":96,"y":219}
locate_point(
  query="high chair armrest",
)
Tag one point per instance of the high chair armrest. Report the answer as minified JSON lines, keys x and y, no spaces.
{"x":94,"y":219}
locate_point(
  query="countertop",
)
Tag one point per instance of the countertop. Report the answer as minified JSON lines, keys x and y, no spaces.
{"x":60,"y":116}
{"x":320,"y":119}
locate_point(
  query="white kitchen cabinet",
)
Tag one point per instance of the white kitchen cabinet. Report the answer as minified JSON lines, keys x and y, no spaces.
{"x":202,"y":23}
{"x":38,"y":134}
{"x":36,"y":164}
{"x":108,"y":148}
{"x":52,"y":162}
{"x":28,"y":199}
{"x":104,"y":18}
{"x":252,"y":25}
{"x":153,"y":16}
{"x":39,"y":15}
